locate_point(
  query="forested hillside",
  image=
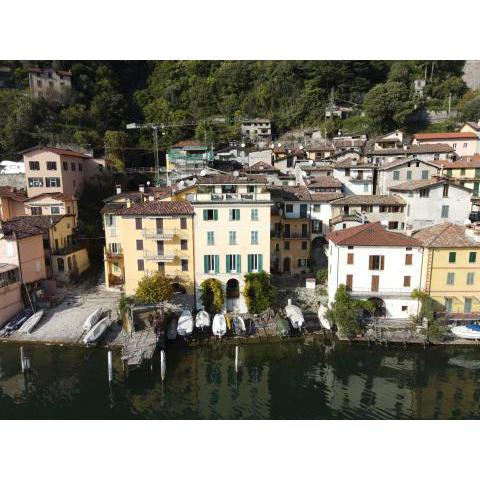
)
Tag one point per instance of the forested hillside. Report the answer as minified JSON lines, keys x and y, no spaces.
{"x":110,"y":94}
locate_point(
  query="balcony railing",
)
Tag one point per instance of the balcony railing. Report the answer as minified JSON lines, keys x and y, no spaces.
{"x":289,"y":236}
{"x":383,"y":292}
{"x":231,"y":197}
{"x":159,"y":256}
{"x":112,"y":254}
{"x":160,"y":234}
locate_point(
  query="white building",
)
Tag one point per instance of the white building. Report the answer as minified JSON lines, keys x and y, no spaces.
{"x":49,"y":83}
{"x":464,"y":143}
{"x":357,"y":177}
{"x":378,"y":265}
{"x":231,"y":233}
{"x":256,"y":129}
{"x":433,"y":201}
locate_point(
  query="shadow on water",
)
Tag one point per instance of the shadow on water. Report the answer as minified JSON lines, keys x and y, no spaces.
{"x":303,"y":379}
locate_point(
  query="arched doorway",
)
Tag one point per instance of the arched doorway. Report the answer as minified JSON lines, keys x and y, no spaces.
{"x":287,"y":265}
{"x":178,"y":288}
{"x":380,"y":309}
{"x":232,"y":293}
{"x":319,"y":255}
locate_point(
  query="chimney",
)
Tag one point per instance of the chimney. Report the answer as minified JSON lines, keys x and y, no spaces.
{"x":118,"y":189}
{"x":141,"y":188}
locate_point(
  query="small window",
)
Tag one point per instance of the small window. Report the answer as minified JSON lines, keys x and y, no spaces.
{"x":184,"y":244}
{"x":52,"y":182}
{"x":34,"y":165}
{"x":445,"y":209}
{"x":424,"y":193}
{"x":289,"y":208}
{"x":210,"y":238}
{"x":138,"y":223}
{"x":445,"y":190}
{"x":452,"y":257}
{"x":286,"y":245}
{"x":304,"y":245}
{"x":396,"y":175}
{"x":184,"y":265}
{"x":183,"y":223}
{"x":470,"y":278}
{"x":55,"y":210}
{"x":80,"y":167}
{"x":467,"y":305}
{"x":424,"y":174}
{"x":73,"y":166}
{"x":406,"y":280}
{"x":450,"y":278}
{"x":140,"y":265}
{"x":254,"y":214}
{"x":234,"y":214}
{"x":448,"y":305}
{"x":36,"y":210}
{"x":409,"y":174}
{"x":254,"y":237}
{"x":404,"y":308}
{"x":472,"y":257}
{"x":316,"y":208}
{"x":350,"y":259}
{"x":210,"y":214}
{"x":35,"y":182}
{"x":51,"y":165}
{"x":376,"y":262}
{"x":232,"y":238}
{"x":65,"y":166}
{"x":139,"y":244}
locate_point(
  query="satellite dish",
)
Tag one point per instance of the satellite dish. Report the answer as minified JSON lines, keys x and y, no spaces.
{"x":203,"y":173}
{"x":236,"y":173}
{"x":148,"y":183}
{"x":311,"y":162}
{"x":279,"y":144}
{"x":242,"y":145}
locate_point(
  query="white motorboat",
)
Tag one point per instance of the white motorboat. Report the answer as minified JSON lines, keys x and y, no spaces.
{"x":295,"y":316}
{"x":322,"y":310}
{"x":219,"y":325}
{"x":32,"y":322}
{"x":96,"y":332}
{"x":172,"y":329}
{"x":239,"y":325}
{"x":92,"y":319}
{"x":202,"y":319}
{"x":185,"y":324}
{"x":468,"y":332}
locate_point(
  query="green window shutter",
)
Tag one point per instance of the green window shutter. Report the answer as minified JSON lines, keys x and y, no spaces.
{"x":215,"y":214}
{"x":260,"y":262}
{"x":228,"y":263}
{"x":239,"y":266}
{"x":230,"y":214}
{"x":250,"y":261}
{"x":217,"y":263}
{"x":205,"y":214}
{"x":205,"y":264}
{"x":238,"y":214}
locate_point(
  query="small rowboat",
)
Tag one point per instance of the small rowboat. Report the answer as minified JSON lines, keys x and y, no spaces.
{"x":468,"y":332}
{"x":202,"y":320}
{"x":92,"y":319}
{"x":96,"y":331}
{"x":32,"y":322}
{"x":239,"y":325}
{"x":295,"y":316}
{"x":185,"y":324}
{"x":322,"y":310}
{"x":219,"y":325}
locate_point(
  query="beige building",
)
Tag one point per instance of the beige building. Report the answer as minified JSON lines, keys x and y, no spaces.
{"x":51,"y":170}
{"x":11,"y":203}
{"x":232,"y":233}
{"x":51,"y":84}
{"x":10,"y":292}
{"x":51,"y":204}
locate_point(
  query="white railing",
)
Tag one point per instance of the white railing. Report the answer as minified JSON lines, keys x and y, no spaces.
{"x":381,"y":291}
{"x":161,"y":234}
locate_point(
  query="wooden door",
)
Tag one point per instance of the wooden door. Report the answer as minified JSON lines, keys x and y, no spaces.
{"x":375,"y":282}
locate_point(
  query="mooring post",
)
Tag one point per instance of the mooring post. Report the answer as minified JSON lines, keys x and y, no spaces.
{"x":163,"y":364}
{"x":236,"y":358}
{"x":22,"y":359}
{"x":110,"y":366}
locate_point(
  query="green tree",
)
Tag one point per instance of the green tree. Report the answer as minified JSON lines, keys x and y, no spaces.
{"x":153,"y":289}
{"x":211,"y":295}
{"x":428,"y":306}
{"x":259,"y":292}
{"x":346,"y":313}
{"x":115,"y":142}
{"x":471,"y":111}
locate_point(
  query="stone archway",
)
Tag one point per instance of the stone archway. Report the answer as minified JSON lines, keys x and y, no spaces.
{"x":380,"y":308}
{"x":232,"y":294}
{"x":319,"y":255}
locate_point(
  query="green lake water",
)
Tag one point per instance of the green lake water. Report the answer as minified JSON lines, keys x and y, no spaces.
{"x":301,"y":379}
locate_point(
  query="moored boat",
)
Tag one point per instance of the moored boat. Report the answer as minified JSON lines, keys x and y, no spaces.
{"x":219,"y":325}
{"x":322,"y":310}
{"x":282,"y":325}
{"x":295,"y":316}
{"x":468,"y":332}
{"x":239,"y":325}
{"x":96,"y":332}
{"x":202,"y":319}
{"x":185,"y":324}
{"x":92,"y":319}
{"x":32,"y":322}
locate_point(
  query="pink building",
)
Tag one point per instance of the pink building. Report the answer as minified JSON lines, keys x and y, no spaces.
{"x":50,"y":170}
{"x":10,"y":292}
{"x":464,"y":143}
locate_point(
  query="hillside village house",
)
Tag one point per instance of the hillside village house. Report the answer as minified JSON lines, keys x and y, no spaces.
{"x":265,"y":170}
{"x":389,"y":140}
{"x":309,"y":170}
{"x":354,"y":209}
{"x":377,"y":265}
{"x":256,"y":129}
{"x":465,"y":171}
{"x":433,"y":201}
{"x":472,"y":127}
{"x":451,"y":266}
{"x":64,"y":258}
{"x":51,"y":204}
{"x":425,"y":151}
{"x":10,"y":292}
{"x":357,"y":176}
{"x":290,"y":230}
{"x":231,"y":233}
{"x":319,"y":150}
{"x":396,"y":172}
{"x":11,"y":203}
{"x":51,"y":84}
{"x":50,"y":170}
{"x":464,"y":143}
{"x":188,"y":157}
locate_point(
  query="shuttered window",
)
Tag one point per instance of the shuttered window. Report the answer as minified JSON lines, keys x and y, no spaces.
{"x":376,"y":262}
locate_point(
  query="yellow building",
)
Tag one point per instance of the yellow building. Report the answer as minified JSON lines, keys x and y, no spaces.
{"x":465,"y":171}
{"x":147,"y":237}
{"x":451,"y":266}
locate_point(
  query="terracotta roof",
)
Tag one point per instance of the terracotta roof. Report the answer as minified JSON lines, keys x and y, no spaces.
{"x":464,"y":162}
{"x":58,"y":151}
{"x":316,"y":167}
{"x":167,"y":208}
{"x":26,"y":226}
{"x":298,"y":193}
{"x":353,"y":163}
{"x":413,"y":149}
{"x":325,"y":196}
{"x":320,"y":147}
{"x":370,"y":200}
{"x":10,"y":192}
{"x":56,"y":195}
{"x":324,"y":181}
{"x":261,"y":166}
{"x":226,"y":179}
{"x":188,"y":143}
{"x":40,"y":70}
{"x":401,"y":161}
{"x":371,"y":234}
{"x":445,"y":235}
{"x":417,"y":184}
{"x":445,"y":136}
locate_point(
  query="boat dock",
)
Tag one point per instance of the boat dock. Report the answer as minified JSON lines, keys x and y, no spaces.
{"x":139,"y":347}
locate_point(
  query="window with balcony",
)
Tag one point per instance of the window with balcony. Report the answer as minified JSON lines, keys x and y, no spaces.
{"x":210,"y":238}
{"x":35,"y":182}
{"x":34,"y":165}
{"x":52,"y":182}
{"x":51,"y":165}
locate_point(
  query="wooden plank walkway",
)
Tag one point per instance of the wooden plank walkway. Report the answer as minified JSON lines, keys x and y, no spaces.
{"x":139,"y":346}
